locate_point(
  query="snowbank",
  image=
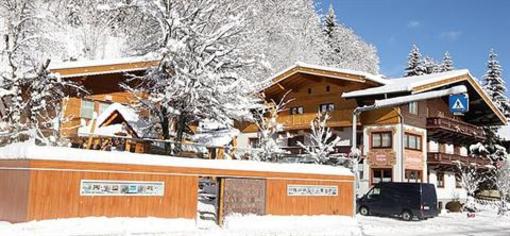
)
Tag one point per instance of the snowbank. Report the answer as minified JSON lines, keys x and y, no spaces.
{"x":238,"y":225}
{"x":99,"y":226}
{"x":292,"y":225}
{"x":28,"y":151}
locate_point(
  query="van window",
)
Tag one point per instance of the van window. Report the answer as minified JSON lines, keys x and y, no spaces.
{"x":375,"y":192}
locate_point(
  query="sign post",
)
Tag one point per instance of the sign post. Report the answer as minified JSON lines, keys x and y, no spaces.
{"x":459,"y":104}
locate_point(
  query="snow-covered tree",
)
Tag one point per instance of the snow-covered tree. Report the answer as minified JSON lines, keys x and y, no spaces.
{"x":470,"y":180}
{"x":447,"y":64}
{"x":322,"y":141}
{"x":200,"y":74}
{"x":503,"y":184}
{"x":266,"y":119}
{"x":31,"y":96}
{"x":494,"y":84}
{"x":345,"y":49}
{"x":430,"y":65}
{"x":83,"y":30}
{"x":414,"y":64}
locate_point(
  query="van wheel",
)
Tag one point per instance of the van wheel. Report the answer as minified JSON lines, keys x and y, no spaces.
{"x":407,"y":215}
{"x":364,"y":211}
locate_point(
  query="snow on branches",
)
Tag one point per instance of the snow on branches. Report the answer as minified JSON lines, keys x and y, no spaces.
{"x":495,"y":85}
{"x":31,"y":97}
{"x":322,"y":141}
{"x":200,"y":74}
{"x":266,"y":119}
{"x":345,"y":49}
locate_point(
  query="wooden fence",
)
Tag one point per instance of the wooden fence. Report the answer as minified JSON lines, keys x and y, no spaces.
{"x":37,"y":189}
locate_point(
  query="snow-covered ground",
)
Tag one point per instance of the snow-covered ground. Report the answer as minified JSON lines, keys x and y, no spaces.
{"x":485,"y":223}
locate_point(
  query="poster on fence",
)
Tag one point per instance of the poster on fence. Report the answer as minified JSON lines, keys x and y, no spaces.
{"x":121,"y":188}
{"x":312,"y":190}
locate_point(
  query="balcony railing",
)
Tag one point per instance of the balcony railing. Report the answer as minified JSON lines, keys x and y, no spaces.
{"x":448,"y":129}
{"x":441,"y":158}
{"x":339,"y":118}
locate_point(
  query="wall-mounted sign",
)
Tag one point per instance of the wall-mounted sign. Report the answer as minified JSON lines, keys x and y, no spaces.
{"x":312,"y":190}
{"x":121,"y":188}
{"x":459,"y":104}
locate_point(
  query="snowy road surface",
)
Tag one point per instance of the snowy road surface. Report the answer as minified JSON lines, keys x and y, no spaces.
{"x":485,"y":223}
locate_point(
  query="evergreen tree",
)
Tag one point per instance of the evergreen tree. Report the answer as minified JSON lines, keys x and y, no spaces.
{"x":495,"y":85}
{"x":345,"y":49}
{"x":447,"y":64}
{"x":430,"y":65}
{"x":414,"y":64}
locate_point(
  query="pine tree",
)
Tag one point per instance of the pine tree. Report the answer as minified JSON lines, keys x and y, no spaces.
{"x":447,"y":64}
{"x":414,"y":64}
{"x":345,"y":49}
{"x":430,"y":65}
{"x":494,"y":85}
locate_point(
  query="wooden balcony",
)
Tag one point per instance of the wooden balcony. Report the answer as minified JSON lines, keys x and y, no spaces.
{"x":339,"y":118}
{"x":450,"y":130}
{"x":449,"y":159}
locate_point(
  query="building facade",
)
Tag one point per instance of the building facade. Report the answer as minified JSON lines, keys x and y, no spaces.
{"x":415,"y":142}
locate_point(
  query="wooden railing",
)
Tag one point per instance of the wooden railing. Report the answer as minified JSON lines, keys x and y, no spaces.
{"x":441,"y":158}
{"x":451,"y":127}
{"x":339,"y":118}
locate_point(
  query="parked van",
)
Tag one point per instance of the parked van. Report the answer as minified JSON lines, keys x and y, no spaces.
{"x":407,"y":200}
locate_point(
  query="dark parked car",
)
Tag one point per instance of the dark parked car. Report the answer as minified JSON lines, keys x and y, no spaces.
{"x":407,"y":200}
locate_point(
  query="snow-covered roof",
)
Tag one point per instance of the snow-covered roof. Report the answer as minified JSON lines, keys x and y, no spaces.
{"x":300,"y":67}
{"x":406,"y":84}
{"x":217,"y":138}
{"x":504,"y":132}
{"x":102,"y":62}
{"x":29,"y":151}
{"x":102,"y":67}
{"x":131,"y":117}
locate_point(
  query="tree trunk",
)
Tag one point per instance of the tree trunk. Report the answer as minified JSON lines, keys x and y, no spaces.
{"x":180,"y":129}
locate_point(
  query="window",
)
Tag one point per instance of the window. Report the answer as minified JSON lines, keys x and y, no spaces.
{"x":413,"y":176}
{"x":102,"y":107}
{"x":296,"y":110}
{"x":374,"y":193}
{"x":327,"y":88}
{"x":440,"y":179}
{"x":381,"y":140}
{"x":253,"y":142}
{"x":413,"y":108}
{"x":412,"y":141}
{"x":381,"y":175}
{"x":458,"y":180}
{"x":309,"y":91}
{"x":293,"y":141}
{"x":87,"y":109}
{"x":327,"y":107}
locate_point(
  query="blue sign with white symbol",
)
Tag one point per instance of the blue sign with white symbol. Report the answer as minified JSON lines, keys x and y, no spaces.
{"x":459,"y":103}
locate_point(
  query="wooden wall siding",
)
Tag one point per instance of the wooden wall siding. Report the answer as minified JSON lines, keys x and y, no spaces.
{"x":384,"y":116}
{"x":417,"y":120}
{"x":14,"y":187}
{"x":278,"y":203}
{"x":299,"y":84}
{"x":56,"y":194}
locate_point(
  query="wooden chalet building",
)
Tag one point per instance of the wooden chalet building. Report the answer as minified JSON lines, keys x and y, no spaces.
{"x":416,"y":142}
{"x":102,"y":79}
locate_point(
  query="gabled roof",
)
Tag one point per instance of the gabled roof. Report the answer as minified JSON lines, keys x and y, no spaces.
{"x":324,"y":71}
{"x":423,"y":83}
{"x":102,"y":67}
{"x":406,"y":84}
